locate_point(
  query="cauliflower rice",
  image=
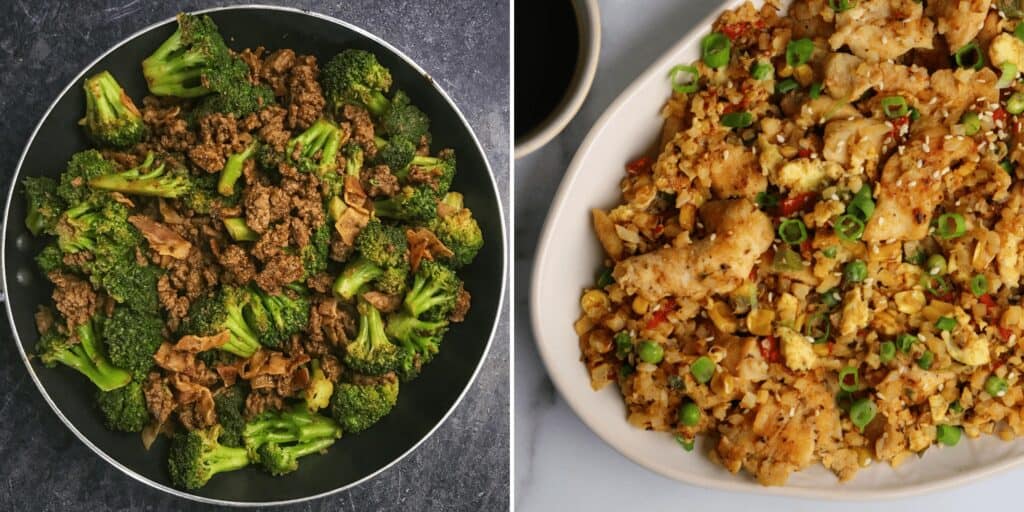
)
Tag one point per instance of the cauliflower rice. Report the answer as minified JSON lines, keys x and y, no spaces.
{"x":823,"y":263}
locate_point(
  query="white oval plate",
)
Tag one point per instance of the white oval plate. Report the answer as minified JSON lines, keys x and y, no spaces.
{"x":567,"y":261}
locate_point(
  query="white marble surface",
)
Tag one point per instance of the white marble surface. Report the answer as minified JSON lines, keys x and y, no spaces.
{"x":559,"y":463}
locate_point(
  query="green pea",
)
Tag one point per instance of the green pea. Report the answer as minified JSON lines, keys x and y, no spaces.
{"x":862,"y":412}
{"x":935,"y":265}
{"x":948,"y":435}
{"x":702,"y":369}
{"x":996,"y":386}
{"x":651,"y":352}
{"x":689,"y":414}
{"x":886,"y":351}
{"x":855,"y":271}
{"x":926,"y":360}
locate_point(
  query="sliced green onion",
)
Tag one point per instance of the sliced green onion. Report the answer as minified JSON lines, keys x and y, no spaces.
{"x":689,"y":414}
{"x":862,"y":412}
{"x":626,"y":370}
{"x":786,"y":85}
{"x":1007,"y":76}
{"x":956,"y":407}
{"x":829,"y":252}
{"x":623,"y":344}
{"x":792,"y":231}
{"x":936,"y":265}
{"x":702,"y":369}
{"x":886,"y":351}
{"x":914,"y":114}
{"x":650,"y":352}
{"x":849,"y":379}
{"x":971,"y":123}
{"x":848,"y":227}
{"x":675,"y":382}
{"x":740,"y":119}
{"x":996,"y":386}
{"x":799,"y":51}
{"x":840,"y":5}
{"x":1007,"y":166}
{"x":762,"y":70}
{"x":787,"y":260}
{"x":767,"y":200}
{"x":1015,"y":103}
{"x":895,"y":106}
{"x":935,"y":285}
{"x":687,"y":444}
{"x":926,"y":360}
{"x":918,"y":258}
{"x":855,"y":271}
{"x":979,"y":285}
{"x":862,"y":205}
{"x":831,"y":298}
{"x":948,"y":435}
{"x":945,"y":323}
{"x":905,"y":341}
{"x":951,"y":225}
{"x":818,"y":326}
{"x":815,"y":91}
{"x":1018,"y":32}
{"x":714,"y":49}
{"x":605,"y":279}
{"x":685,"y":79}
{"x":970,"y":56}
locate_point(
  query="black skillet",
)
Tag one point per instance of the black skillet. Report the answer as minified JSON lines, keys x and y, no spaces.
{"x":422,"y":406}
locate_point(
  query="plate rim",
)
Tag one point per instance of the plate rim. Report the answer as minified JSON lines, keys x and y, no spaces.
{"x":561,"y":381}
{"x":215,"y":501}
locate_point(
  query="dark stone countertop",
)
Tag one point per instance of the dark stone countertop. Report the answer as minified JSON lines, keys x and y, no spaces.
{"x":464,"y":44}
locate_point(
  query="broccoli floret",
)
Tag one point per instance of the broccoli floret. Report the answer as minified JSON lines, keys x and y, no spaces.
{"x":318,"y":393}
{"x":354,"y":156}
{"x":131,"y":284}
{"x":316,"y":252}
{"x":410,"y":204}
{"x":86,"y":356}
{"x":434,"y":291}
{"x":204,"y":197}
{"x":356,"y":77}
{"x":371,"y":352}
{"x":111,"y":118}
{"x":229,"y":405}
{"x":197,"y":455}
{"x":280,"y":460}
{"x":233,"y":170}
{"x":297,"y":424}
{"x":81,"y":169}
{"x":396,"y":152}
{"x":383,"y":259}
{"x":213,"y":313}
{"x":44,"y":205}
{"x":132,"y":339}
{"x":124,"y":409}
{"x":238,"y":98}
{"x":144,"y":180}
{"x":316,"y":149}
{"x":186,"y":63}
{"x":417,"y":335}
{"x":50,"y":258}
{"x":98,"y":226}
{"x":404,"y":119}
{"x":274,"y":318}
{"x":456,"y":228}
{"x":440,"y":168}
{"x":359,"y":405}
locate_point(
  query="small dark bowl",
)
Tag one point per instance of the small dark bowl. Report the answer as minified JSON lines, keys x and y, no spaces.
{"x":422,"y":406}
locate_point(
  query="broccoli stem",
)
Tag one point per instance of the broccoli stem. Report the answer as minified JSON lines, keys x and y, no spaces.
{"x":167,"y":74}
{"x":355,"y":276}
{"x":226,"y":458}
{"x":377,"y":103}
{"x":233,"y":170}
{"x":244,"y":342}
{"x":87,"y":359}
{"x":309,"y":447}
{"x":425,"y":294}
{"x":153,"y":183}
{"x":34,"y":220}
{"x":105,"y":98}
{"x":240,"y":231}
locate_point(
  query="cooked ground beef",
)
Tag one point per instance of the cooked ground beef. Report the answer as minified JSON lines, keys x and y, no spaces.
{"x":219,"y":138}
{"x":159,"y":399}
{"x":280,"y":271}
{"x":73,"y":297}
{"x":378,"y":181}
{"x":362,"y":127}
{"x":330,"y":322}
{"x":260,"y":400}
{"x":169,"y":132}
{"x":461,"y":305}
{"x":238,"y":266}
{"x":305,"y":100}
{"x":44,"y":319}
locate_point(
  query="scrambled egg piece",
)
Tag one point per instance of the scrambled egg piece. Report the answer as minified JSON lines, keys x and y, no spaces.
{"x":1007,"y":48}
{"x":974,"y":352}
{"x":797,"y":350}
{"x":806,"y":175}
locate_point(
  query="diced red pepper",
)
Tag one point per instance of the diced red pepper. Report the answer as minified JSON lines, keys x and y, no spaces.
{"x":804,"y":152}
{"x":797,"y":203}
{"x":1004,"y":333}
{"x":735,"y":30}
{"x":659,"y":316}
{"x":999,"y":114}
{"x":897,"y":124}
{"x":770,"y":349}
{"x":639,"y":165}
{"x":806,"y":248}
{"x":987,"y":300}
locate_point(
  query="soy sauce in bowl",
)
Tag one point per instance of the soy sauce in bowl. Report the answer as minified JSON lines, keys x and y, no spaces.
{"x":547,"y":53}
